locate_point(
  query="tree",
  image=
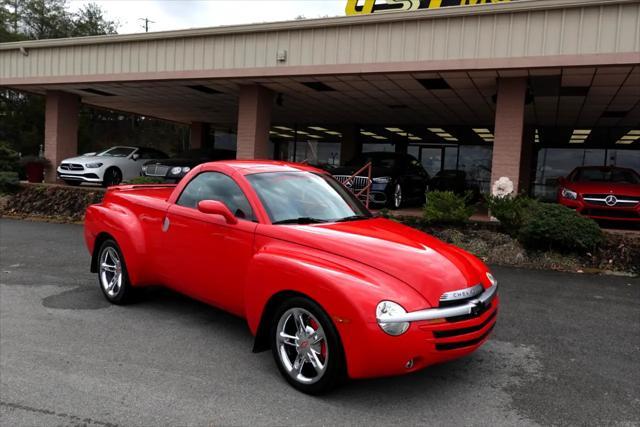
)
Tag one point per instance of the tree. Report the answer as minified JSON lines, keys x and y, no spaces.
{"x":90,"y":21}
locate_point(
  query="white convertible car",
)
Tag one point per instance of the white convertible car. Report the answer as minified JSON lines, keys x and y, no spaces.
{"x":108,"y":167}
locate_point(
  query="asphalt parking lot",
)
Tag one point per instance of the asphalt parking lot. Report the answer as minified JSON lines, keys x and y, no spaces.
{"x":565,"y":351}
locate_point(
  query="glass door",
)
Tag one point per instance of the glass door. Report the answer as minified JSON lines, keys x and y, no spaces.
{"x":432,"y":158}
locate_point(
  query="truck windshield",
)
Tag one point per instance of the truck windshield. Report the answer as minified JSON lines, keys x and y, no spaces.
{"x":305,"y":198}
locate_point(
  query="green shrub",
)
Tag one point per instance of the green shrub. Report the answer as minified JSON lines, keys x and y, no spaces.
{"x":446,"y":207}
{"x":9,"y":159}
{"x":9,"y":182}
{"x":512,"y":212}
{"x":145,"y":180}
{"x":552,"y":226}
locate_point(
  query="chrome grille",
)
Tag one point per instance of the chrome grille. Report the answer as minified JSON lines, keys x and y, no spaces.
{"x":356,"y":184}
{"x":156,"y":170}
{"x":620,"y":200}
{"x":71,"y":167}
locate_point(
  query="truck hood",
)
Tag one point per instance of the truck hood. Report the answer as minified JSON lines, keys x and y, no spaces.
{"x":618,"y":188}
{"x":426,"y":264}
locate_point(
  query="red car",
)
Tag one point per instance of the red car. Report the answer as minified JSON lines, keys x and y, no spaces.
{"x":333,"y":291}
{"x":607,"y":193}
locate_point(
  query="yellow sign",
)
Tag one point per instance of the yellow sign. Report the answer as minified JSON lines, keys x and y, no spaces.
{"x":366,"y":7}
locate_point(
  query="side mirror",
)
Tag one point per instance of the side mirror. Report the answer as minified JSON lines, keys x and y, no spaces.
{"x":214,"y":207}
{"x":135,"y":157}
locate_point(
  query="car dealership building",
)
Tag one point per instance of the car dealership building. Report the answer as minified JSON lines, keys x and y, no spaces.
{"x":525,"y":89}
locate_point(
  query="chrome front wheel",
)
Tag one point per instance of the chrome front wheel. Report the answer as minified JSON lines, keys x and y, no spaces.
{"x":306,"y":346}
{"x":302,"y":346}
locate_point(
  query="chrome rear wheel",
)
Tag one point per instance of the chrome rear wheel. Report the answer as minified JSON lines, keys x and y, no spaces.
{"x":112,"y":274}
{"x":110,"y":271}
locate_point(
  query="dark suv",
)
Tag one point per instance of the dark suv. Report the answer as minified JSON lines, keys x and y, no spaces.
{"x":396,"y":179}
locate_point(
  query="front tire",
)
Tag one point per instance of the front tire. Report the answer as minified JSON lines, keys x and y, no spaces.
{"x":306,"y":347}
{"x":112,"y":274}
{"x":112,"y":176}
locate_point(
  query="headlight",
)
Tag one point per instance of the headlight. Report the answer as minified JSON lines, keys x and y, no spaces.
{"x":568,"y":194}
{"x":492,"y":279}
{"x":176,"y":171}
{"x":186,"y":169}
{"x":93,"y":165}
{"x":382,"y":180}
{"x":389,"y":309}
{"x":144,"y":169}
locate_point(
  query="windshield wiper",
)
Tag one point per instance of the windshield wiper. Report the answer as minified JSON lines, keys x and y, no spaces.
{"x":352,"y":218}
{"x":301,"y":220}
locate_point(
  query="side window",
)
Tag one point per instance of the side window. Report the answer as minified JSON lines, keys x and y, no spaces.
{"x":216,"y":186}
{"x":145,"y":154}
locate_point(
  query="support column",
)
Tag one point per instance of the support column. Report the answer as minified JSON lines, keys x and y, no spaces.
{"x":198,"y":135}
{"x":60,"y":129}
{"x":350,"y":147}
{"x":509,"y":132}
{"x":254,"y":122}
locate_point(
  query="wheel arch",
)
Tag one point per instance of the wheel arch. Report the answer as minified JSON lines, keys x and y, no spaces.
{"x":99,"y":240}
{"x":261,"y":340}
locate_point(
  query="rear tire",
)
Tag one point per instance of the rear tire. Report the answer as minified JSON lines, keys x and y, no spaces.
{"x":112,"y":176}
{"x":112,"y":274}
{"x":306,"y":347}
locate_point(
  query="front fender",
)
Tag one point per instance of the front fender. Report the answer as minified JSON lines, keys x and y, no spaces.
{"x":348,"y":291}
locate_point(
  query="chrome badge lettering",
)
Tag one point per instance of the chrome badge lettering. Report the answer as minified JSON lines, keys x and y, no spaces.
{"x":462,"y":293}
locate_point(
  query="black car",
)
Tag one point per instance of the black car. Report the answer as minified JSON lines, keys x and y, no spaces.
{"x":397,"y":179}
{"x":173,"y":170}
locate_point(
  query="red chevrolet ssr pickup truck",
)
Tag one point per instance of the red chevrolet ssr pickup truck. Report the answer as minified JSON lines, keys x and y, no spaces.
{"x":333,"y":291}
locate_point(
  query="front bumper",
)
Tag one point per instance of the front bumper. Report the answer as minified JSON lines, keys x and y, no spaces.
{"x":81,"y":176}
{"x":470,"y":307}
{"x":610,"y":213}
{"x":434,"y":336}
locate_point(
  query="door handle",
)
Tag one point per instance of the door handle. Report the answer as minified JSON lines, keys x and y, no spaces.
{"x":165,"y":224}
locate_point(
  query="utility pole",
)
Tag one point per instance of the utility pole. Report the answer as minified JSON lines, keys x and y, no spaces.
{"x":147,"y":21}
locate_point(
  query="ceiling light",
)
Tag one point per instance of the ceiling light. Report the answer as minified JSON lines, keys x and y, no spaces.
{"x":621,"y":142}
{"x":316,"y":128}
{"x":282,"y":128}
{"x":363,"y":132}
{"x":333,"y":132}
{"x":576,"y":141}
{"x":315,"y":136}
{"x":451,"y":139}
{"x":436,"y":130}
{"x":633,"y":132}
{"x":379,"y":137}
{"x":582,"y":131}
{"x":415,"y":138}
{"x":482,"y":130}
{"x":631,"y":137}
{"x":444,"y":134}
{"x":394,"y":129}
{"x":301,"y":132}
